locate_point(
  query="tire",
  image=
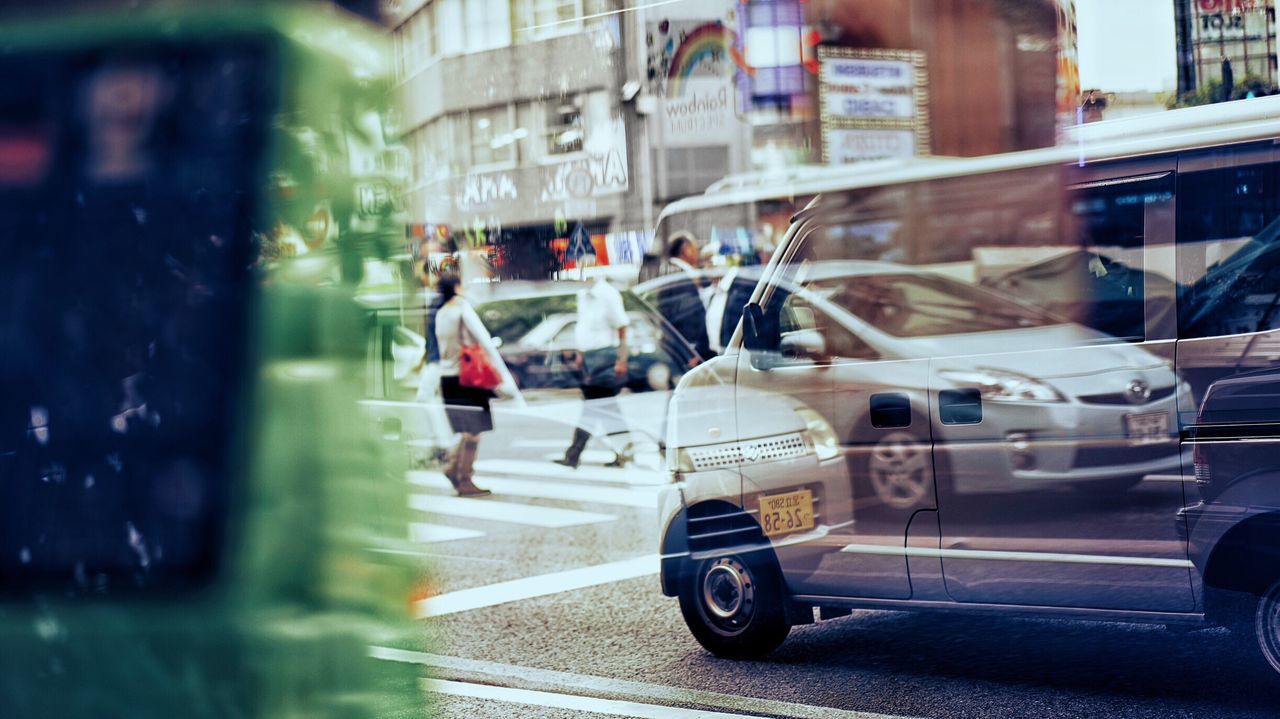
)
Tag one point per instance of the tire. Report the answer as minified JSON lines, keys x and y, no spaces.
{"x":1266,"y":626}
{"x":735,"y":605}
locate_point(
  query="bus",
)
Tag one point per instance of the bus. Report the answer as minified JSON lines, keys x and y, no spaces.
{"x":196,"y":520}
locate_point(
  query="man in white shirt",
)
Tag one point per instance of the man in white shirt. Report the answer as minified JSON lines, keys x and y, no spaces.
{"x":601,"y":338}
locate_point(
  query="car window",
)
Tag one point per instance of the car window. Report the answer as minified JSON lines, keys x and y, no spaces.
{"x":564,"y":339}
{"x":921,"y":305}
{"x":808,"y":332}
{"x":1228,"y":254}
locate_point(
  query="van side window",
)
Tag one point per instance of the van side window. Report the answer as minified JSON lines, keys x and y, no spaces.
{"x":1228,"y":257}
{"x":816,"y":335}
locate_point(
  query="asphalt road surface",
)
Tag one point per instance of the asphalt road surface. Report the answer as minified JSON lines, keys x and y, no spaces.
{"x":547,"y":605}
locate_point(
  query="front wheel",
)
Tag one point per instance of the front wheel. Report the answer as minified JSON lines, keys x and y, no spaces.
{"x":736,"y":606}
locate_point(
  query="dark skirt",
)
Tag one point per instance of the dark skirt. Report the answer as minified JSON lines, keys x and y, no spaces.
{"x":467,"y":407}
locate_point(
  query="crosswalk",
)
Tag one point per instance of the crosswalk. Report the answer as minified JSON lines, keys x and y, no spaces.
{"x":521,"y":495}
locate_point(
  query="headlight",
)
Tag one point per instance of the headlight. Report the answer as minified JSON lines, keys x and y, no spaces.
{"x":819,"y":433}
{"x":1004,"y":386}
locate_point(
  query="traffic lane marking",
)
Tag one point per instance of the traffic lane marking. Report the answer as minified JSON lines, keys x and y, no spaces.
{"x":597,"y":689}
{"x":537,"y":586}
{"x":572,"y":702}
{"x":622,"y":496}
{"x":510,"y":512}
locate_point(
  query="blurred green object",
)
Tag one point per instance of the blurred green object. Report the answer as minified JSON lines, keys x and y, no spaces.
{"x":301,"y":560}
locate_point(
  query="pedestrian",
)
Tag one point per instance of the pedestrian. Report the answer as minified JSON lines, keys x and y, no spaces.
{"x":1228,"y":79}
{"x":683,"y":303}
{"x":1093,"y":105}
{"x":457,"y":325}
{"x":428,"y":368}
{"x":600,"y":336}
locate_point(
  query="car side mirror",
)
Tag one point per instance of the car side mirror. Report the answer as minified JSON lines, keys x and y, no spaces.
{"x":755,"y":330}
{"x":803,"y":344}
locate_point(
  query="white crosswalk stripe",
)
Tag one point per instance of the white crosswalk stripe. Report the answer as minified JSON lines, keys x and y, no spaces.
{"x":425,"y":533}
{"x":640,"y":497}
{"x":613,"y":475}
{"x":509,"y":512}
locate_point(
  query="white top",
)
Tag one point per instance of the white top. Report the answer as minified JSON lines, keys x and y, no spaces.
{"x":600,"y":315}
{"x":450,"y":320}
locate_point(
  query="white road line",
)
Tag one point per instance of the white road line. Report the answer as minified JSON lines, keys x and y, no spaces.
{"x":644,"y":498}
{"x":509,"y":512}
{"x":425,"y":533}
{"x":624,"y":475}
{"x":572,"y":702}
{"x":539,"y":586}
{"x":540,"y":443}
{"x":587,"y":686}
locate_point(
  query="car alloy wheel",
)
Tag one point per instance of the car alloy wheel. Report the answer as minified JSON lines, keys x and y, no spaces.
{"x":899,"y":470}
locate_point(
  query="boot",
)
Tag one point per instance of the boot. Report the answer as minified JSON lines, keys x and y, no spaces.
{"x":466,"y":461}
{"x":574,"y":452}
{"x":451,"y":465}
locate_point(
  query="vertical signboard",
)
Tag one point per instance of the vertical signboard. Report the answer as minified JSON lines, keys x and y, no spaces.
{"x":874,"y":104}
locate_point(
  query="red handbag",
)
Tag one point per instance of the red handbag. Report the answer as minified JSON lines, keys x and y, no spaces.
{"x":474,"y":368}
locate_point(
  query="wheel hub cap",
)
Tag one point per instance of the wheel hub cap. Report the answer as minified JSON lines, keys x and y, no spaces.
{"x":726,"y":589}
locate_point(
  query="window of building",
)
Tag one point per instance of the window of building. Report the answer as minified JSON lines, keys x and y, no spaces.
{"x":565,"y":129}
{"x":528,"y":132}
{"x":452,"y":32}
{"x":488,"y":24}
{"x":458,"y":144}
{"x":492,"y":139}
{"x":417,"y":41}
{"x":540,"y":19}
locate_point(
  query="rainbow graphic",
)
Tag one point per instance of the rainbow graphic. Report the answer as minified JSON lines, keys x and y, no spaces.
{"x":709,"y":42}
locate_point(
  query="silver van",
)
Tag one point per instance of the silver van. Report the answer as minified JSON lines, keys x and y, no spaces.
{"x":975,"y":385}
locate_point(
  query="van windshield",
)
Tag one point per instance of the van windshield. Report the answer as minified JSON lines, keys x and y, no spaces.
{"x":922,"y":305}
{"x":127,"y":199}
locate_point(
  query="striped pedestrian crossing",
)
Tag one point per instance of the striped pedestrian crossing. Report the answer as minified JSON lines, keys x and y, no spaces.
{"x":638,"y":497}
{"x":509,"y":512}
{"x":425,"y":533}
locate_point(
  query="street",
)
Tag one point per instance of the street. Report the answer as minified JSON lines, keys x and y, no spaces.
{"x":546,"y":604}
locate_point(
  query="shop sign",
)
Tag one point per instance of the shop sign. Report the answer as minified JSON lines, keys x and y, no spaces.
{"x":703,"y":115}
{"x":1229,"y":19}
{"x":853,"y":145}
{"x":874,"y":103}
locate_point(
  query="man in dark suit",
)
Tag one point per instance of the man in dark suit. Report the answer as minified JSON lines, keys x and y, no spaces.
{"x":683,"y":303}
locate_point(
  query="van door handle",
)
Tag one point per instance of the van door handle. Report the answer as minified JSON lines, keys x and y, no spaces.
{"x":890,"y":410}
{"x":960,"y":406}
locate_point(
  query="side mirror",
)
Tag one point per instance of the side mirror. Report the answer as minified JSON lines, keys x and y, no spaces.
{"x":803,"y":344}
{"x":755,"y":333}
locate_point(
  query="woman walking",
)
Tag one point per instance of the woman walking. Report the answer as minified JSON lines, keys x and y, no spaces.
{"x":457,"y":325}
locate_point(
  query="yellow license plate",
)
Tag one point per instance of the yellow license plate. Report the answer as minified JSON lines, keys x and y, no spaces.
{"x":785,"y":513}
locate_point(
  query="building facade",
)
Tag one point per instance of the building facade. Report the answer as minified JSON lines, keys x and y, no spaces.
{"x":534,"y":124}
